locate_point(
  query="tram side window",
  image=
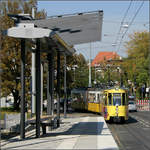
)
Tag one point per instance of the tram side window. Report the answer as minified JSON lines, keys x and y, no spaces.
{"x":92,"y":97}
{"x":98,"y":97}
{"x":101,"y":97}
{"x":109,"y":99}
{"x":123,"y":98}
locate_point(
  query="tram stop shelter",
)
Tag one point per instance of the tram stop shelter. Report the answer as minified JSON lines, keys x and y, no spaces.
{"x":60,"y":33}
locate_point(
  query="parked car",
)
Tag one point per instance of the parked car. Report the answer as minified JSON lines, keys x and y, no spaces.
{"x":132,"y":106}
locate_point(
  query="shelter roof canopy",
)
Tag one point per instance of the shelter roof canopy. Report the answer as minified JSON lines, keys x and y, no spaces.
{"x":76,"y":28}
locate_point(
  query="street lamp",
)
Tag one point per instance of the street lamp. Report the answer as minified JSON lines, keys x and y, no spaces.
{"x":74,"y":68}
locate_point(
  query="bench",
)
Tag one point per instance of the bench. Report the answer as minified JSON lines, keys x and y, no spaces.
{"x":44,"y":122}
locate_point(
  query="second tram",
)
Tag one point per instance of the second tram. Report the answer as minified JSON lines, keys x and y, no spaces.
{"x":111,"y":103}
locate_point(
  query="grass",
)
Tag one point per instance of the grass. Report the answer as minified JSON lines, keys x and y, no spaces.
{"x":6,"y":110}
{"x":10,"y":110}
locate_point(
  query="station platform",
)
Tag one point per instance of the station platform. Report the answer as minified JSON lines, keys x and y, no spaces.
{"x":73,"y":133}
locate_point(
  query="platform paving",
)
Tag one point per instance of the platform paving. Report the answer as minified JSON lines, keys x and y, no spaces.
{"x":73,"y":133}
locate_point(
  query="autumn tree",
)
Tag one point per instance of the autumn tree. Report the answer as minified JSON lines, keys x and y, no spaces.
{"x":77,"y":71}
{"x":11,"y":50}
{"x":137,"y":63}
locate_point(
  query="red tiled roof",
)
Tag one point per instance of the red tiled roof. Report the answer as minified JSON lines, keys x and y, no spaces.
{"x":103,"y":56}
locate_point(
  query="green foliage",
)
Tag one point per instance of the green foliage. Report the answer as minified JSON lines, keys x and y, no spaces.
{"x":77,"y":77}
{"x":11,"y":50}
{"x":138,"y":60}
{"x":136,"y":65}
{"x":142,"y":78}
{"x":8,"y":109}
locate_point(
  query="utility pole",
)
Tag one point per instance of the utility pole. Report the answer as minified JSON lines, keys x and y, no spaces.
{"x":95,"y":76}
{"x":90,"y":85}
{"x":109,"y":75}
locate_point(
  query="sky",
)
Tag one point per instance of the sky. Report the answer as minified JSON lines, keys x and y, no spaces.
{"x":114,"y":11}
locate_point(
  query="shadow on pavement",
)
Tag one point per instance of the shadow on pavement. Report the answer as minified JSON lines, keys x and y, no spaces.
{"x":131,"y":120}
{"x":81,"y":128}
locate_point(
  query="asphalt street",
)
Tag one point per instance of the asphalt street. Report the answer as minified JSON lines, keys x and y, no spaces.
{"x":135,"y":133}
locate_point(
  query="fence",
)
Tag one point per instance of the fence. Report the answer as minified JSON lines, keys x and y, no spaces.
{"x":143,"y":105}
{"x":11,"y":122}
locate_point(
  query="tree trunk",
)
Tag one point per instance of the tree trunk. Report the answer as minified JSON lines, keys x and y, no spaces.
{"x":17,"y":100}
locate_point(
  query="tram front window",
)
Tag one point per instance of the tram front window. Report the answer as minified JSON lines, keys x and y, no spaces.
{"x":116,"y":99}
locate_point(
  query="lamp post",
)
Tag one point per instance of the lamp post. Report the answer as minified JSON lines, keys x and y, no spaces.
{"x":95,"y":75}
{"x":90,"y":85}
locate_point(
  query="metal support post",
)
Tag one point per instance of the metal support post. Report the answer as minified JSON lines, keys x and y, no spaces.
{"x":50,"y":84}
{"x":33,"y":83}
{"x":58,"y":88}
{"x":38,"y":87}
{"x":41,"y":88}
{"x":33,"y":72}
{"x":65,"y":87}
{"x":22,"y":122}
{"x":31,"y":95}
{"x":0,"y":75}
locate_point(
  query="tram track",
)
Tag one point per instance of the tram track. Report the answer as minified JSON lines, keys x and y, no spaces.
{"x":141,"y":120}
{"x":116,"y":137}
{"x":137,"y":137}
{"x":131,"y":135}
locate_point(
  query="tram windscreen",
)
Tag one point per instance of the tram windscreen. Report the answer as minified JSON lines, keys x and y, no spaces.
{"x":116,"y":99}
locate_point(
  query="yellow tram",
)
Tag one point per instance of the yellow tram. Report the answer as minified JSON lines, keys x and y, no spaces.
{"x":111,"y":103}
{"x":115,"y":105}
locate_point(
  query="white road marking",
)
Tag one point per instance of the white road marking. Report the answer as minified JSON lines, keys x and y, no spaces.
{"x":105,"y":139}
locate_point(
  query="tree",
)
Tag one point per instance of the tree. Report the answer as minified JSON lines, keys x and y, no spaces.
{"x":11,"y":50}
{"x":137,"y":63}
{"x":77,"y":75}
